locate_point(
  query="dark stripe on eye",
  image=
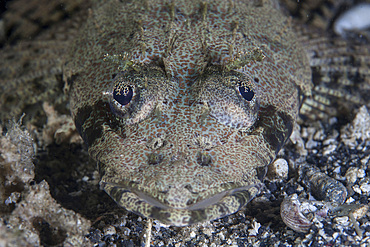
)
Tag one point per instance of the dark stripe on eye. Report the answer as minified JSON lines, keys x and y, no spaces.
{"x":84,"y":117}
{"x":89,"y":121}
{"x":277,"y":126}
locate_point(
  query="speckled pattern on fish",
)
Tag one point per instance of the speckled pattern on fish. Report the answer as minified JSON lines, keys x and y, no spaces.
{"x":184,"y":105}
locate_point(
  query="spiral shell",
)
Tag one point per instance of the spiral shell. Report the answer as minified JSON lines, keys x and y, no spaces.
{"x":291,"y":213}
{"x":322,"y":186}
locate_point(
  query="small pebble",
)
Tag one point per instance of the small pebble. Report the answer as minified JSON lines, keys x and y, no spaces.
{"x":333,"y":120}
{"x":337,"y":170}
{"x":311,"y":144}
{"x":126,"y":231}
{"x":255,"y":228}
{"x":278,"y":169}
{"x":365,"y":160}
{"x":221,"y":236}
{"x":13,"y":198}
{"x":352,"y":174}
{"x":365,"y":188}
{"x":342,"y":220}
{"x":329,"y":149}
{"x":357,"y":189}
{"x":350,"y":200}
{"x":360,"y":212}
{"x":109,"y":230}
{"x":319,"y":135}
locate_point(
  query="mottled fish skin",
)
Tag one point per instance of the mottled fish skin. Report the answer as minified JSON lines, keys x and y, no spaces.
{"x":188,"y":146}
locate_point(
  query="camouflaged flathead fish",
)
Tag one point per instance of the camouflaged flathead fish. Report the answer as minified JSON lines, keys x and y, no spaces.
{"x":185,"y":103}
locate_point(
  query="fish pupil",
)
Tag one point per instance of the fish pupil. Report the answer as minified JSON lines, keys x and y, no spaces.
{"x":123,"y":95}
{"x":246,"y":93}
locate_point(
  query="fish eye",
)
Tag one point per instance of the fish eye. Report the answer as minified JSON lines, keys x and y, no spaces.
{"x":246,"y":92}
{"x":231,"y":97}
{"x":123,"y":95}
{"x":135,"y":93}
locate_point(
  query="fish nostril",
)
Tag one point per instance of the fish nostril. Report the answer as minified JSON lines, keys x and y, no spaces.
{"x":156,"y":143}
{"x":204,"y":159}
{"x":188,"y":187}
{"x":154,"y":158}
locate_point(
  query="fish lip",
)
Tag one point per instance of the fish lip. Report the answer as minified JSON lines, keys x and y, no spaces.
{"x":214,"y":199}
{"x":196,"y":206}
{"x":212,"y":208}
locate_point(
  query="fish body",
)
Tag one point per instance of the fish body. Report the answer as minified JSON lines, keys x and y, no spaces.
{"x":184,"y":104}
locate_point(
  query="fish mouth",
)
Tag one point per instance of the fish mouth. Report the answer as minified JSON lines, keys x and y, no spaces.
{"x":216,"y":206}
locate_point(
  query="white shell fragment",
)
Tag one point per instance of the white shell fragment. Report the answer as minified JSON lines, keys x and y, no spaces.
{"x":356,"y":18}
{"x":255,"y":227}
{"x":278,"y":169}
{"x":365,"y":186}
{"x":360,"y":212}
{"x":342,"y":220}
{"x":353,"y":173}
